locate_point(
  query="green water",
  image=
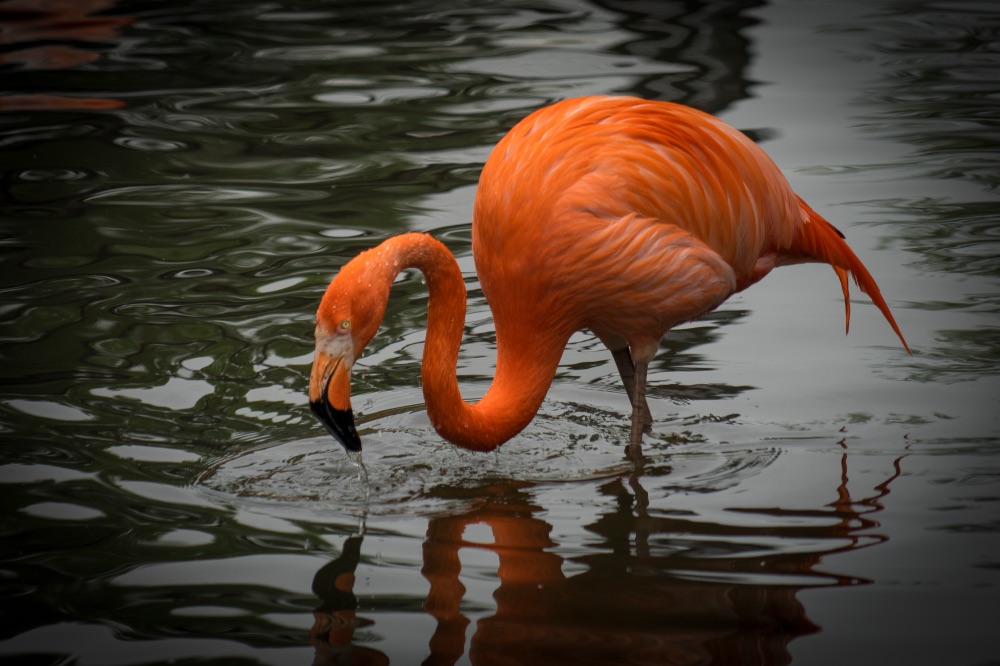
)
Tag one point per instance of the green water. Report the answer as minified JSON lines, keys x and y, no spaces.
{"x":180,"y":183}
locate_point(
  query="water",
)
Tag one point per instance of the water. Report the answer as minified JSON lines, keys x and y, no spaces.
{"x":180,"y":183}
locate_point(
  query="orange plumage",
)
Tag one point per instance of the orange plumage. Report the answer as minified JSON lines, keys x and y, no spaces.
{"x":614,"y":214}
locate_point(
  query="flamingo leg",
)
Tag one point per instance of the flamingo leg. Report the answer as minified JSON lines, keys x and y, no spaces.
{"x":626,"y":368}
{"x":639,"y":409}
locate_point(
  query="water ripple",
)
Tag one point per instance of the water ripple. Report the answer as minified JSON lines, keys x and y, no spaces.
{"x":938,"y":57}
{"x":165,"y":195}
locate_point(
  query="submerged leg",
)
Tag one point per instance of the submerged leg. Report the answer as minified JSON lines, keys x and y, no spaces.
{"x":626,"y":368}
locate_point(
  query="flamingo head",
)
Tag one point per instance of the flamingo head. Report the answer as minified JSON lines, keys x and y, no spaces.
{"x":348,"y":317}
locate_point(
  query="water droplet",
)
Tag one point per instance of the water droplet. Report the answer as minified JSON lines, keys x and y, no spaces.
{"x":355,"y":457}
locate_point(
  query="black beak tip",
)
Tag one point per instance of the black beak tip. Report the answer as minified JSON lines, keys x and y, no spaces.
{"x":339,"y":423}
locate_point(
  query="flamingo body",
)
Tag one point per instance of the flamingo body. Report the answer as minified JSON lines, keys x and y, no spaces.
{"x":614,"y":214}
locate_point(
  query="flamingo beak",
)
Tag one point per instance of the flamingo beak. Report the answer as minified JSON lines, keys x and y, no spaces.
{"x":330,"y":398}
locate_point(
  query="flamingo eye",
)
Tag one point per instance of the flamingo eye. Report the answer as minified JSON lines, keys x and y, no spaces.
{"x":345,"y":325}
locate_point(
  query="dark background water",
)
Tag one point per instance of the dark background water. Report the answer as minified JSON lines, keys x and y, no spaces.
{"x":179,"y":183}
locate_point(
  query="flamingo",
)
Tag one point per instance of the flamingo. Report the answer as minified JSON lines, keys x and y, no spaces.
{"x":618,"y":215}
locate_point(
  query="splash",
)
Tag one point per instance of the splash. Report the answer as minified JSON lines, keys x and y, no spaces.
{"x":355,"y":458}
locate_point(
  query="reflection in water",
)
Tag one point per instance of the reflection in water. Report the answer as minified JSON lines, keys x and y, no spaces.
{"x":336,"y":620}
{"x":932,"y":56}
{"x":656,"y":589}
{"x":709,"y":36}
{"x":54,"y":35}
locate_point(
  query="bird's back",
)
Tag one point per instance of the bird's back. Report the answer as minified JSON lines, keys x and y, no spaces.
{"x":612,"y":212}
{"x":609,"y":157}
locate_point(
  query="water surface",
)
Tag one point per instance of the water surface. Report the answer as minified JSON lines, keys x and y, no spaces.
{"x":180,"y":184}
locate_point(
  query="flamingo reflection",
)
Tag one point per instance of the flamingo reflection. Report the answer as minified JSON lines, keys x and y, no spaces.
{"x":654,"y":589}
{"x":52,"y":35}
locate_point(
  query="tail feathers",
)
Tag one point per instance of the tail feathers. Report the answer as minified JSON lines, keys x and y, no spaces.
{"x":842,"y":274}
{"x":820,"y":240}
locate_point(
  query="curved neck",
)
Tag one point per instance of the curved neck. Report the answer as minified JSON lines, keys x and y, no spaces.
{"x":526,"y":359}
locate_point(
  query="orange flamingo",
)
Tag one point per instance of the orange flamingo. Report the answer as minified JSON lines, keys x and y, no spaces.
{"x":619,"y":215}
